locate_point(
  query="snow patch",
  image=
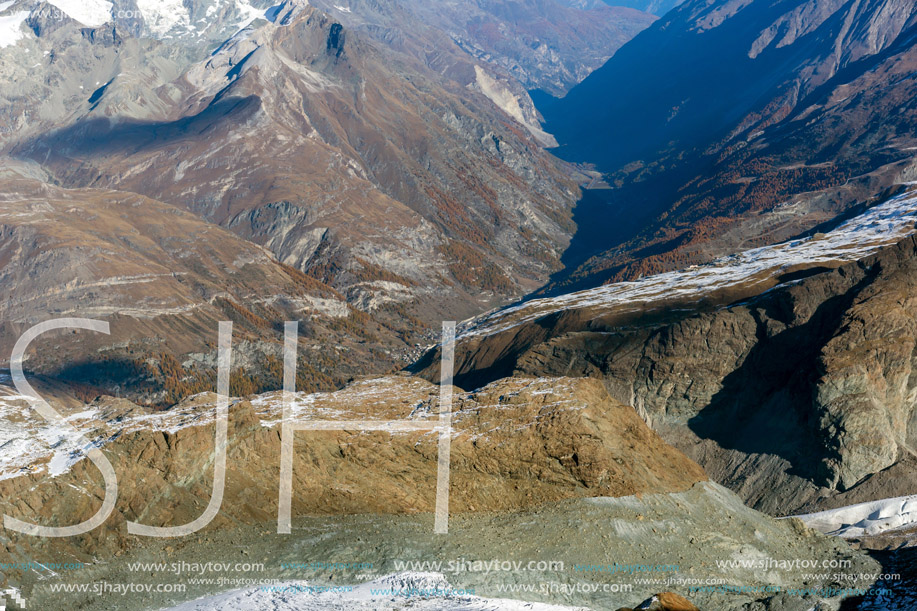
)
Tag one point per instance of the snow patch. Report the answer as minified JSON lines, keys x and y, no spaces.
{"x":163,"y":15}
{"x":11,"y":26}
{"x":250,"y":13}
{"x":88,"y":12}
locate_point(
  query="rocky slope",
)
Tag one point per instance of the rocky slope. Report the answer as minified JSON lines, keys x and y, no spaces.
{"x":536,"y":445}
{"x":722,"y":112}
{"x":651,"y":530}
{"x":163,"y":279}
{"x":803,"y":392}
{"x":515,"y":444}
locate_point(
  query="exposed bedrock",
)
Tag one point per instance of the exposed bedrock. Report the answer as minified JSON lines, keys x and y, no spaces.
{"x":801,"y":393}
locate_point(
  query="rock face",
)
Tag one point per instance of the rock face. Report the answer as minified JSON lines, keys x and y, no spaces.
{"x":801,"y":393}
{"x":731,"y":124}
{"x":45,"y":18}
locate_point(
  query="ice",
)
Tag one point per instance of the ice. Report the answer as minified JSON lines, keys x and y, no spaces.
{"x":365,"y":596}
{"x":870,"y":518}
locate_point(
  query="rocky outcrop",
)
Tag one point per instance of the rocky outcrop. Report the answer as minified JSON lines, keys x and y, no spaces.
{"x":45,"y":18}
{"x":798,"y":394}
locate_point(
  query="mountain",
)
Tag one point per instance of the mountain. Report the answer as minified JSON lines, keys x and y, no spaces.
{"x":349,"y":163}
{"x":732,"y":124}
{"x":737,"y":202}
{"x":412,"y":186}
{"x":785,"y":371}
{"x":164,"y":278}
{"x":542,"y":44}
{"x":191,"y":23}
{"x":405,"y":196}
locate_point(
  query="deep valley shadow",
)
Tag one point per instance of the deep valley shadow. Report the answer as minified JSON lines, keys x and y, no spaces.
{"x":765,"y":406}
{"x":103,"y":137}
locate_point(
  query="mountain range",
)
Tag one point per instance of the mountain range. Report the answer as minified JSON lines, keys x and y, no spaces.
{"x":413,"y":187}
{"x":679,"y":238}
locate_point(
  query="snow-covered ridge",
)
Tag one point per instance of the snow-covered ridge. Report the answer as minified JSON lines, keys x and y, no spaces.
{"x":878,"y":227}
{"x":864,"y":519}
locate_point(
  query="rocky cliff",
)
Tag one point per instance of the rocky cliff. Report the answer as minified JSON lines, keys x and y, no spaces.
{"x":803,"y":392}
